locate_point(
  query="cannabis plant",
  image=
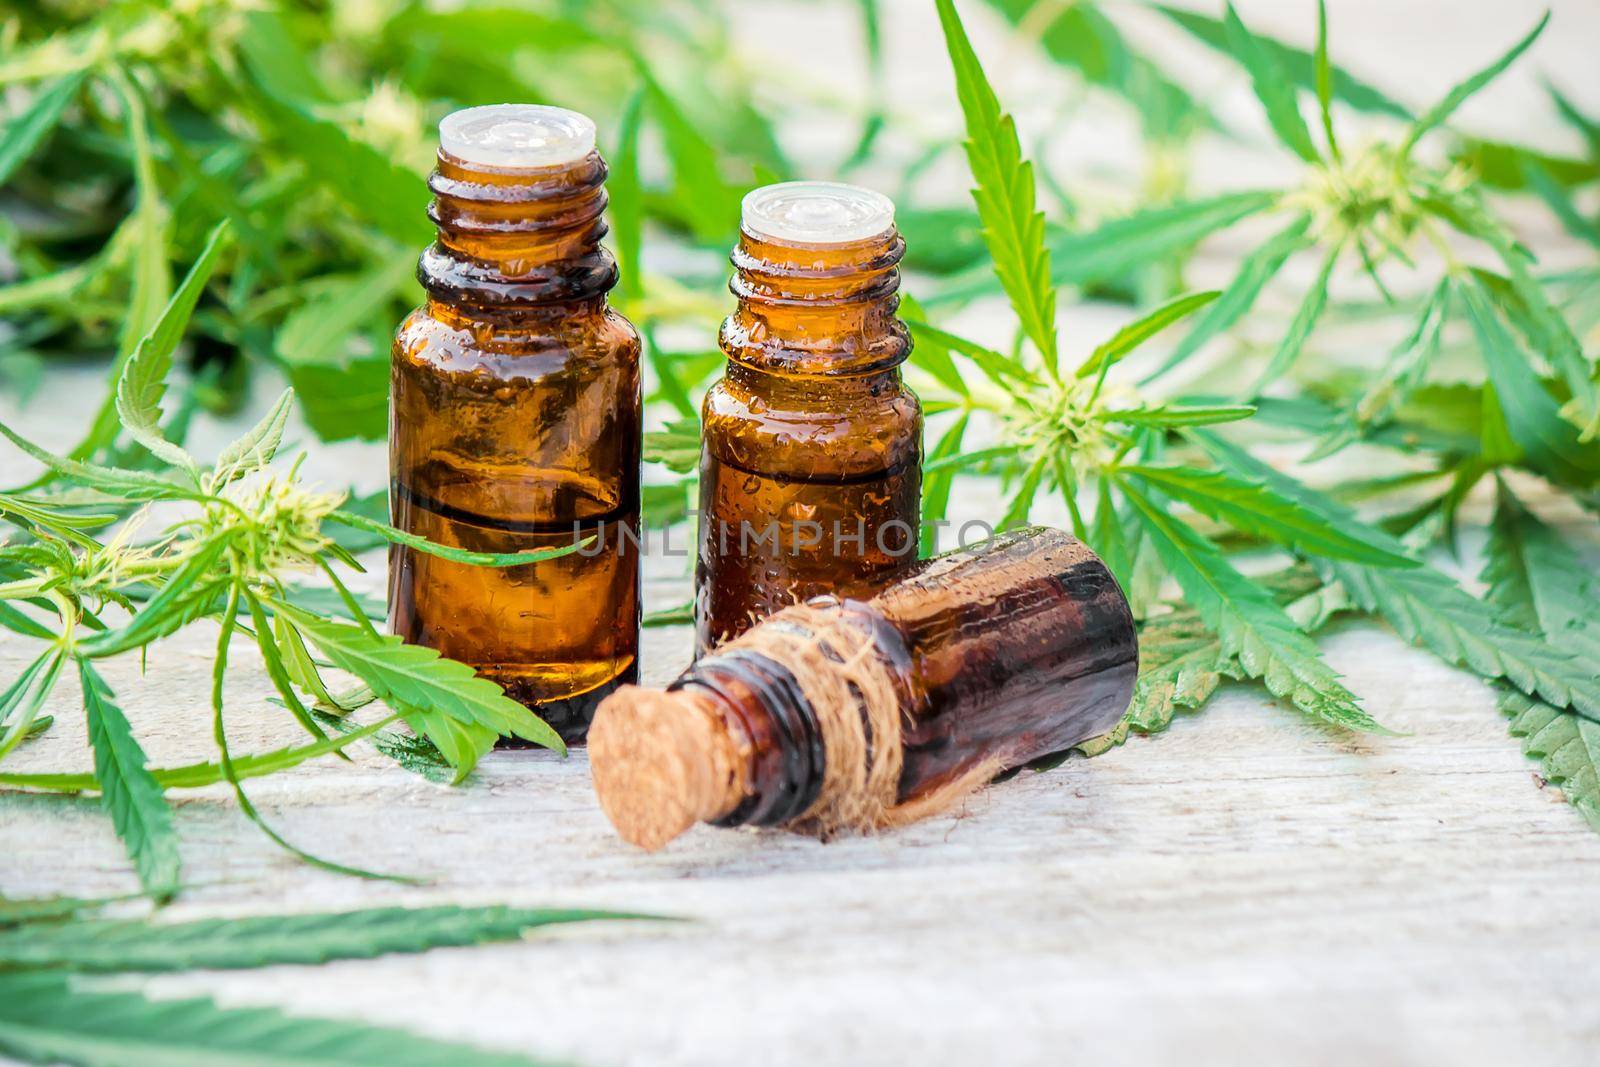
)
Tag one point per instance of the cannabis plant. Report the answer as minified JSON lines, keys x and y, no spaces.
{"x":244,"y":530}
{"x":1153,"y":483}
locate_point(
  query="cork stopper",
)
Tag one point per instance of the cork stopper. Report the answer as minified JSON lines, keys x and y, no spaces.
{"x":661,"y":762}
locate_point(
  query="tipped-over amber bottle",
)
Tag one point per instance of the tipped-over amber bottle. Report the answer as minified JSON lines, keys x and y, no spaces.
{"x":858,"y":714}
{"x":515,"y":419}
{"x":810,"y":469}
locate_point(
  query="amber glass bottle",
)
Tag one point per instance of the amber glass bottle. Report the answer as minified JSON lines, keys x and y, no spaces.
{"x":977,"y":661}
{"x":515,"y":418}
{"x":810,"y":470}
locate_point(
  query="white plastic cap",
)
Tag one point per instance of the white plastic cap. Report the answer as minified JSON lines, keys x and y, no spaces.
{"x":516,"y":136}
{"x":816,"y":213}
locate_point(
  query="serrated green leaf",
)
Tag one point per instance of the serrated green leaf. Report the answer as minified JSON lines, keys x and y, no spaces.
{"x":1304,"y":322}
{"x":1323,"y":76}
{"x":1004,"y":372}
{"x":1438,"y":113}
{"x":1183,"y":682}
{"x":318,"y":331}
{"x":20,"y":703}
{"x":1586,"y":127}
{"x":45,"y":1018}
{"x":1272,"y":86}
{"x":462,"y":744}
{"x":1123,"y":245}
{"x":931,"y":354}
{"x":151,"y":283}
{"x":1567,"y":746}
{"x":1248,"y":623}
{"x":677,"y":447}
{"x":126,"y":484}
{"x":1524,"y":301}
{"x":1538,"y":582}
{"x":1257,"y":269}
{"x":129,"y":793}
{"x":1402,"y":373}
{"x":144,"y":376}
{"x":701,"y":196}
{"x":108,"y":946}
{"x":409,"y":749}
{"x":1142,"y":329}
{"x":255,"y":449}
{"x":24,"y":133}
{"x":199,"y":775}
{"x":1109,"y":538}
{"x":1532,"y":415}
{"x":1427,"y":608}
{"x":219,"y":734}
{"x":1004,"y":190}
{"x":1168,"y":415}
{"x":456,"y":555}
{"x":272,"y":658}
{"x":974,"y":458}
{"x":414,"y":677}
{"x":1021,"y":503}
{"x":936,"y":486}
{"x":1251,"y":506}
{"x":1560,"y":202}
{"x":1297,"y":64}
{"x":626,"y":198}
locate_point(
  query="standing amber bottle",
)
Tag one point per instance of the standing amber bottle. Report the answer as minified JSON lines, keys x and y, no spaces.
{"x":858,"y":714}
{"x":810,"y":469}
{"x":515,"y":419}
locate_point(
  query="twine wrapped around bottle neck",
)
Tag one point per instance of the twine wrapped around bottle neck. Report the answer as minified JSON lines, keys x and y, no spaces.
{"x":663,"y":761}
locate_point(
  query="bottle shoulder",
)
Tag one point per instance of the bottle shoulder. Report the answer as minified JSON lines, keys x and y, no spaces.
{"x":549,"y":345}
{"x":855,"y":431}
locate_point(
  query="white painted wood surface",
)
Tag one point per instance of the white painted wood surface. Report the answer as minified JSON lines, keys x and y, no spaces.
{"x":1247,"y":887}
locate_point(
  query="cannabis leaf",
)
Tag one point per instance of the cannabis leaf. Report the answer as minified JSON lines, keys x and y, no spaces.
{"x":1251,"y":506}
{"x":1438,"y":113}
{"x":1538,"y":583}
{"x":1426,"y":607}
{"x":256,"y":447}
{"x":1012,"y":226}
{"x":1141,"y":330}
{"x":117,"y":945}
{"x":1272,"y":87}
{"x":24,"y":133}
{"x":450,"y":552}
{"x":144,"y":375}
{"x":198,"y":775}
{"x":416,"y":677}
{"x":1249,"y":624}
{"x":1181,"y":664}
{"x":48,"y":1018}
{"x":128,"y":791}
{"x":1258,"y":268}
{"x":1567,"y":746}
{"x":1532,"y":415}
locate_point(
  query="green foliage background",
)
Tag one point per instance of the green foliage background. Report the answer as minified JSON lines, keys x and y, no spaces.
{"x":217,"y":198}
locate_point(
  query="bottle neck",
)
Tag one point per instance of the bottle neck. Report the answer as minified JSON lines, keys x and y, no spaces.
{"x":817,"y":310}
{"x":765,"y":717}
{"x":515,"y":243}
